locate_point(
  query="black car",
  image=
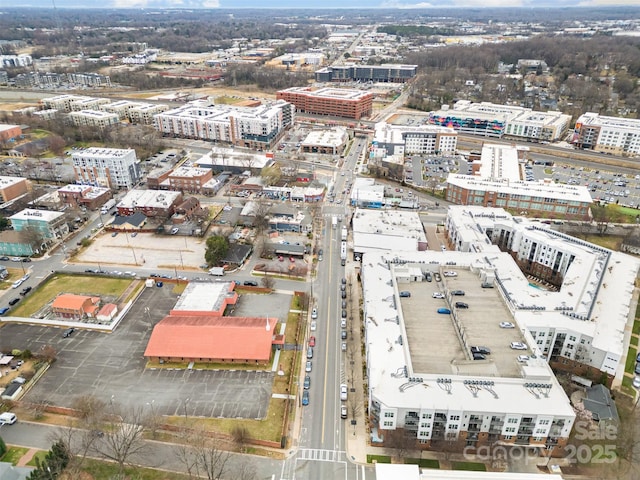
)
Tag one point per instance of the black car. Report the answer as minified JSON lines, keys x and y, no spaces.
{"x":250,"y":283}
{"x":482,"y":350}
{"x":68,"y":332}
{"x":4,"y":258}
{"x":459,"y":293}
{"x":343,"y":335}
{"x":26,"y":259}
{"x":462,"y":305}
{"x":26,"y":290}
{"x":13,"y":301}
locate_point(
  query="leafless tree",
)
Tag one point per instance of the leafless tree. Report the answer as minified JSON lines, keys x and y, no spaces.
{"x":123,"y":436}
{"x":244,"y":469}
{"x":47,"y":353}
{"x":202,"y":457}
{"x":267,"y":281}
{"x":78,"y":441}
{"x":241,"y":437}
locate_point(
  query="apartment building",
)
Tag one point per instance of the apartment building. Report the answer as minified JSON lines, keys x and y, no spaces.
{"x":106,"y":167}
{"x":89,"y":79}
{"x":12,"y":187}
{"x":543,"y":198}
{"x":189,"y":179}
{"x":347,"y":103}
{"x":258,"y":127}
{"x":74,"y":103}
{"x":47,"y":224}
{"x":134,"y":112}
{"x":93,"y":118}
{"x":492,"y":120}
{"x":151,"y":203}
{"x":87,"y":196}
{"x":9,"y":133}
{"x":11,"y":61}
{"x":613,"y":135}
{"x":410,"y":140}
{"x":394,"y":73}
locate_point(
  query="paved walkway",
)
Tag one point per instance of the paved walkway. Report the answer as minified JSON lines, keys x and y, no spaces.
{"x":26,"y":458}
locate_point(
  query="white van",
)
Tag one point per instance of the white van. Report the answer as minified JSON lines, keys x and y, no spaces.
{"x":8,"y":418}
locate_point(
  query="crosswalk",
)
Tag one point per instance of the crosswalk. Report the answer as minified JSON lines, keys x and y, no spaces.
{"x":319,"y":454}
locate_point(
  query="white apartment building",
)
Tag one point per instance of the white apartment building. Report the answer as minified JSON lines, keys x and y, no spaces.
{"x":106,"y":167}
{"x":422,"y":377}
{"x":93,"y":118}
{"x":260,"y":127}
{"x":492,"y":120}
{"x":614,"y":135}
{"x":66,"y":103}
{"x":135,"y":112}
{"x":408,"y":140}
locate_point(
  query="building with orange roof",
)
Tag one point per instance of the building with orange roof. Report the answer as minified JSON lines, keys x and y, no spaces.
{"x":70,"y":306}
{"x":210,"y":338}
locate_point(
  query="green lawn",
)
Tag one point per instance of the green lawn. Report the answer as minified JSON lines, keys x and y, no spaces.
{"x":423,"y":462}
{"x":469,"y":466}
{"x":379,"y":458}
{"x":636,"y":324}
{"x":108,"y":470}
{"x":631,"y":361}
{"x":39,"y":454}
{"x":627,"y":386}
{"x":633,"y":341}
{"x":78,"y":284}
{"x":14,"y":454}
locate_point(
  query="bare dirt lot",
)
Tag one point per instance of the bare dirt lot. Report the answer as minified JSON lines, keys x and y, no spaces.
{"x":145,"y":249}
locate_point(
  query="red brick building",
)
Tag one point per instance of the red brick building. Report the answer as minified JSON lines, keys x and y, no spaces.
{"x":338,"y":102}
{"x":12,"y":187}
{"x":189,"y":179}
{"x":9,"y":133}
{"x":84,"y":196}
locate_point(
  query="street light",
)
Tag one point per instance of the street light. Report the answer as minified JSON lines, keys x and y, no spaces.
{"x":185,"y":408}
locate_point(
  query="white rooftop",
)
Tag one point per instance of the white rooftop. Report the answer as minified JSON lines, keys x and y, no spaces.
{"x":36,"y":215}
{"x":233,"y":158}
{"x":101,"y":152}
{"x":573,"y":193}
{"x":333,"y":137}
{"x":377,"y":229}
{"x":203,"y":296}
{"x":148,"y":199}
{"x":6,"y":181}
{"x":189,"y":172}
{"x":499,"y":162}
{"x":366,"y":189}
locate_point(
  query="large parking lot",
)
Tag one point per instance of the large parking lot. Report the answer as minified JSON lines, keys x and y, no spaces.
{"x":148,"y":249}
{"x":112,"y":365}
{"x":436,"y":340}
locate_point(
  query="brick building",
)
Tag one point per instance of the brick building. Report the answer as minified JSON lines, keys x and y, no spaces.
{"x":9,"y":133}
{"x":339,"y":102}
{"x":189,"y":179}
{"x":152,"y":203}
{"x":77,"y":196}
{"x":12,"y":187}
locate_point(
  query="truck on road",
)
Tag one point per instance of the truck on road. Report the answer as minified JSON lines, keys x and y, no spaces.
{"x":344,"y":234}
{"x":108,"y":205}
{"x":343,"y":253}
{"x":334,"y":222}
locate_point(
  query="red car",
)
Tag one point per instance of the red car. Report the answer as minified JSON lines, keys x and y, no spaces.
{"x":312,"y":341}
{"x":280,"y":258}
{"x":292,"y":260}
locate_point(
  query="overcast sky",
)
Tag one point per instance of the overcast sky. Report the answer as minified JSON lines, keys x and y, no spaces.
{"x":356,"y":4}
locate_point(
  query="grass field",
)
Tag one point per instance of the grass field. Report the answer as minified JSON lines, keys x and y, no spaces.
{"x":469,"y":466}
{"x":14,"y":454}
{"x":101,"y":470}
{"x":612,"y":242}
{"x":78,"y":284}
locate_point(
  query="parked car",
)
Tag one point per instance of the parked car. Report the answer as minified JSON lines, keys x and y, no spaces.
{"x":450,"y":274}
{"x":461,"y":305}
{"x":174,"y":230}
{"x":16,"y":259}
{"x":8,"y":418}
{"x":343,"y":392}
{"x":518,"y":346}
{"x":4,"y":258}
{"x":343,"y":334}
{"x":343,"y":347}
{"x":312,"y":341}
{"x":307,"y":382}
{"x":437,"y":277}
{"x":343,"y":323}
{"x":250,"y":283}
{"x":482,"y":350}
{"x":444,"y":311}
{"x":4,"y":310}
{"x":13,"y":301}
{"x":25,"y":290}
{"x":26,"y":259}
{"x":523,"y":358}
{"x":507,"y":325}
{"x":305,"y":397}
{"x":308,"y":366}
{"x":313,"y":326}
{"x":636,"y":382}
{"x":438,"y":295}
{"x":68,"y":332}
{"x":459,"y":293}
{"x":405,"y":294}
{"x":314,"y":313}
{"x":343,"y":411}
{"x":478,"y":356}
{"x":114,"y":234}
{"x":427,"y":276}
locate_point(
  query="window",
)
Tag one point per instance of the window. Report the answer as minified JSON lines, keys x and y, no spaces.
{"x":454,"y":417}
{"x":510,"y":429}
{"x":388,"y":414}
{"x":512,"y":420}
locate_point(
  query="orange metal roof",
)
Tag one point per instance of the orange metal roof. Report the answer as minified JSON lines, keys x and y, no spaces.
{"x":70,"y":301}
{"x":210,"y":337}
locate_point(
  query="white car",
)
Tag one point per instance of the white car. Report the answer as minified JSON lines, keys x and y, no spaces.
{"x":523,"y":358}
{"x":507,"y":325}
{"x":314,"y":313}
{"x":343,"y":323}
{"x":308,"y":366}
{"x":437,"y":295}
{"x":343,"y":392}
{"x":450,"y":274}
{"x":636,"y":382}
{"x":313,"y":326}
{"x":518,"y":346}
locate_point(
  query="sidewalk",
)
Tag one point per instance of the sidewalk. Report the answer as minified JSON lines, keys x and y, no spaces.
{"x":27,"y":457}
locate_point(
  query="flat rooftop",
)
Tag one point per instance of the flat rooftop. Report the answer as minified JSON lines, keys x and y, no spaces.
{"x":204,"y":296}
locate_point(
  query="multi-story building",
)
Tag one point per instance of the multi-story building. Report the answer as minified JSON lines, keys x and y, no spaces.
{"x":74,"y":103}
{"x":93,"y":118}
{"x":26,"y":80}
{"x":395,"y":73}
{"x":89,"y":79}
{"x":12,"y":187}
{"x":4,"y":77}
{"x":613,"y":135}
{"x":348,"y":103}
{"x":106,"y":167}
{"x":134,"y":112}
{"x":544,"y":199}
{"x":259,"y":127}
{"x":330,"y":141}
{"x":9,"y":133}
{"x":21,"y":60}
{"x":49,"y":225}
{"x":87,"y":196}
{"x":297,"y":60}
{"x":492,"y":120}
{"x":408,"y":140}
{"x":189,"y":179}
{"x":152,"y":203}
